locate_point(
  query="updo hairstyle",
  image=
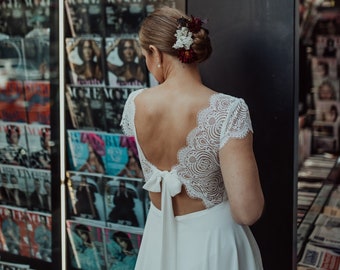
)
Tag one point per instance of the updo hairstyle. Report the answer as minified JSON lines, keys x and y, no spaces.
{"x":159,"y":28}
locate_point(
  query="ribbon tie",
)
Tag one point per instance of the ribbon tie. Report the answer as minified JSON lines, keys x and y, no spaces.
{"x":170,"y":180}
{"x":169,"y":184}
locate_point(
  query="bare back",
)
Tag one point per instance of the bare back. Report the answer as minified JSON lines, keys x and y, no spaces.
{"x":163,"y":120}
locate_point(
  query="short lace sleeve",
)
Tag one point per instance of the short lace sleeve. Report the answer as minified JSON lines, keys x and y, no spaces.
{"x":127,"y":122}
{"x":237,"y":124}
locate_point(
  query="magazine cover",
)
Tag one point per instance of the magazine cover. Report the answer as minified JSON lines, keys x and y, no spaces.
{"x":324,"y":68}
{"x":85,"y":59}
{"x":123,"y":17}
{"x":326,"y":89}
{"x":38,"y":14}
{"x":37,"y":95}
{"x":115,"y":99}
{"x":39,"y":148}
{"x":122,"y":247}
{"x":14,"y":230}
{"x":16,"y":178}
{"x":87,"y":151}
{"x":328,"y":46}
{"x":86,"y":193}
{"x":39,"y":190}
{"x":86,"y":107}
{"x":122,"y":156}
{"x":87,"y":246}
{"x":4,"y":265}
{"x":13,"y":18}
{"x":37,"y":55}
{"x":12,"y":102}
{"x":124,"y":62}
{"x":85,"y":17}
{"x":39,"y":227}
{"x":12,"y":59}
{"x":125,"y":201}
{"x":13,"y":144}
{"x":152,"y":5}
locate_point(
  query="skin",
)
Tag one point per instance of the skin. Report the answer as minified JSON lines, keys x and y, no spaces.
{"x":181,"y":95}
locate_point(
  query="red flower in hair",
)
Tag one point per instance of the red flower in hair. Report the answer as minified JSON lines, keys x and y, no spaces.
{"x":194,"y":24}
{"x":186,"y":56}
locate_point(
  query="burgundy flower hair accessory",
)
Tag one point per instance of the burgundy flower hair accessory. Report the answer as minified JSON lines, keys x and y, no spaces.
{"x":185,"y":29}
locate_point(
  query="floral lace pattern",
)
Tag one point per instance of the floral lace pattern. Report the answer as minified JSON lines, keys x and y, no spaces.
{"x":198,"y":167}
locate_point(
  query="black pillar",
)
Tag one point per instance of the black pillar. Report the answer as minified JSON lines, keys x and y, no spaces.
{"x":255,"y":57}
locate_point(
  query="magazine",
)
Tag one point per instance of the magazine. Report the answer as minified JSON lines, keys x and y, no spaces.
{"x":37,"y":55}
{"x":85,"y":60}
{"x":122,"y":246}
{"x":38,"y":14}
{"x":12,"y":101}
{"x":13,"y":144}
{"x":124,"y":62}
{"x":123,"y":17}
{"x":4,"y":265}
{"x":115,"y":99}
{"x":14,"y":231}
{"x":86,"y":193}
{"x":326,"y":232}
{"x":85,"y":17}
{"x":87,"y":151}
{"x":319,"y":258}
{"x":86,"y":107}
{"x":126,"y":201}
{"x":87,"y":246}
{"x":324,"y":68}
{"x":13,"y":18}
{"x":15,"y":178}
{"x":39,"y":148}
{"x":12,"y":58}
{"x":122,"y":156}
{"x":39,"y":227}
{"x":37,"y":95}
{"x":39,"y":190}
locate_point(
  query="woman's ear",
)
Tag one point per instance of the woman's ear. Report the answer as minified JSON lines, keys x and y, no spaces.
{"x":157,"y":54}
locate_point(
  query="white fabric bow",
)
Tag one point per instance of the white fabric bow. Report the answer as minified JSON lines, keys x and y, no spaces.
{"x":171,"y":181}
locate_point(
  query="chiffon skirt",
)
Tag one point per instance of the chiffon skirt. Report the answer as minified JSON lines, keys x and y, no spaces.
{"x":206,"y":240}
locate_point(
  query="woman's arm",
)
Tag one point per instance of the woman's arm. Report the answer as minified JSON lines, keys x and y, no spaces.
{"x":241,"y":179}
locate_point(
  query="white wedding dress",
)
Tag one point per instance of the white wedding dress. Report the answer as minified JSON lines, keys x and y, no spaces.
{"x":205,"y":240}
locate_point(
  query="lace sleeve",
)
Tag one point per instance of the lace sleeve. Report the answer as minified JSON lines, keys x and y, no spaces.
{"x":127,"y":122}
{"x":237,"y":124}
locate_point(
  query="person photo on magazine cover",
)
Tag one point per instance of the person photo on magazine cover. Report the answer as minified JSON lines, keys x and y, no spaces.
{"x":132,"y":168}
{"x":43,"y":237}
{"x":13,"y":153}
{"x":6,"y":196}
{"x":121,"y":252}
{"x":11,"y":232}
{"x":42,"y":159}
{"x":89,"y":69}
{"x":96,"y":150}
{"x":19,"y":196}
{"x":131,"y":71}
{"x":85,"y":252}
{"x":85,"y":205}
{"x":39,"y":200}
{"x":123,"y":210}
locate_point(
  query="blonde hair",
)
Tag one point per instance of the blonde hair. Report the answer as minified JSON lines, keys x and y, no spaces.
{"x":159,"y":28}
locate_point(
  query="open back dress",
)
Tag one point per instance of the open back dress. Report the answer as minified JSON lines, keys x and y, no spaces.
{"x":208,"y":239}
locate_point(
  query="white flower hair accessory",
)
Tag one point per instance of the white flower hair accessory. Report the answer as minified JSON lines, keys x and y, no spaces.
{"x":184,"y":38}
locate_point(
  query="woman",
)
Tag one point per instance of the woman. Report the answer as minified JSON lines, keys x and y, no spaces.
{"x":195,"y":148}
{"x":90,"y":70}
{"x":130,"y":72}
